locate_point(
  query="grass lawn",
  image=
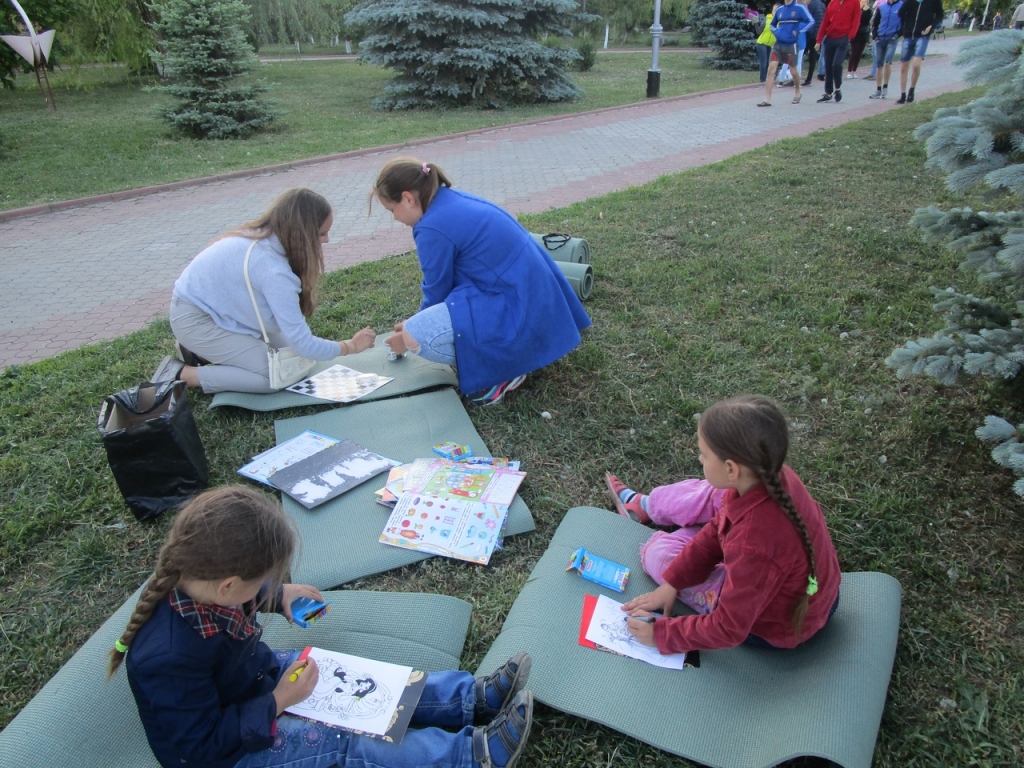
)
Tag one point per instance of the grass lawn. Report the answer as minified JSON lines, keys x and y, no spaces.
{"x":108,"y":136}
{"x":788,"y":271}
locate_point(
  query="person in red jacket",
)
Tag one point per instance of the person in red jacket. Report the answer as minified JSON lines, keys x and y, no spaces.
{"x":766,"y":538}
{"x":838,"y":28}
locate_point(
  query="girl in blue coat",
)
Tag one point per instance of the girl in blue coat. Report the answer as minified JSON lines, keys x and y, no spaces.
{"x":494,"y":303}
{"x":210,"y":694}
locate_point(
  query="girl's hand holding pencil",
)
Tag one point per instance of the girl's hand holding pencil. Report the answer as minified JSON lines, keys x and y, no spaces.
{"x":640,"y":622}
{"x":297,"y":682}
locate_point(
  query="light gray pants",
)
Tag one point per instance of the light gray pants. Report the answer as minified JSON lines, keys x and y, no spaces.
{"x":239,"y":361}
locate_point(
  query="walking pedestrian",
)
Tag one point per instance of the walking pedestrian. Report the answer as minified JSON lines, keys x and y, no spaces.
{"x":817,"y":9}
{"x":885,"y":30}
{"x":838,"y":28}
{"x":919,"y":18}
{"x":787,"y":24}
{"x":765,"y":41}
{"x":860,"y":40}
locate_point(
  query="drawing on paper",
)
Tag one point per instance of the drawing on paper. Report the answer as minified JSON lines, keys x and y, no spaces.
{"x":348,"y":693}
{"x":354,"y":693}
{"x":608,"y":629}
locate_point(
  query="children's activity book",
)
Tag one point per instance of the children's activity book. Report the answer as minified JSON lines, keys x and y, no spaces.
{"x":289,"y":452}
{"x":329,"y":473}
{"x":452,"y":509}
{"x":451,"y":527}
{"x":357,"y":694}
{"x":607,"y":630}
{"x":340,"y":384}
{"x":456,"y":480}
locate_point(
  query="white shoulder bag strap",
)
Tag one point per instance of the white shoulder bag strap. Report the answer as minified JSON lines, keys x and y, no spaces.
{"x":248,"y":284}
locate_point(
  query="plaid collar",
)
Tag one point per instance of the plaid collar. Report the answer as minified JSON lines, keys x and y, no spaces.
{"x":239,"y":621}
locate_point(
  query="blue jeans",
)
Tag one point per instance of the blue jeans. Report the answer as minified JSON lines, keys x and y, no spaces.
{"x":763,"y":53}
{"x":914,"y":47}
{"x":833,"y":52}
{"x":447,"y":702}
{"x":432,"y":330}
{"x":885,"y":49}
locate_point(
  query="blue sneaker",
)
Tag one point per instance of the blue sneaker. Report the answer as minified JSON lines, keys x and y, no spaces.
{"x":500,"y":744}
{"x":494,"y":692}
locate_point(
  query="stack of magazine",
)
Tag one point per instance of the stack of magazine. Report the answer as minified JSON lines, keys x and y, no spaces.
{"x":449,"y":508}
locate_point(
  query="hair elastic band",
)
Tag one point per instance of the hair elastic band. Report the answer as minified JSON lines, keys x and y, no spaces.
{"x":120,"y":647}
{"x":812,"y":586}
{"x":425,"y":168}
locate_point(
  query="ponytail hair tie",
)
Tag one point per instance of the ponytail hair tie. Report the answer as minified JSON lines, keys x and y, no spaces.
{"x":120,"y":647}
{"x":812,"y":586}
{"x":426,"y":169}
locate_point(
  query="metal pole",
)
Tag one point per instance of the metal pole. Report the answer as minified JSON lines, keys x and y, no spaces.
{"x":654,"y":74}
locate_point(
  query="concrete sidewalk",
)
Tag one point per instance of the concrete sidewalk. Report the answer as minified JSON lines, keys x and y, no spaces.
{"x":101,"y":270}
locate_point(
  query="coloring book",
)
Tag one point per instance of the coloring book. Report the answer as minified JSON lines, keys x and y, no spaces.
{"x":339,"y":383}
{"x":362,"y":695}
{"x":608,"y":630}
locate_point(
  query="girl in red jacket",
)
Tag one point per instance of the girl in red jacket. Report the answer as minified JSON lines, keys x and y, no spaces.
{"x":753,"y":555}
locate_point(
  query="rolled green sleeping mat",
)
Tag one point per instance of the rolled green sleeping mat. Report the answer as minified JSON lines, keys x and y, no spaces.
{"x":563,"y":248}
{"x":580,"y":277}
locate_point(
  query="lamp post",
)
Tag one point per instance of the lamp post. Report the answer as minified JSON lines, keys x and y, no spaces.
{"x":654,"y":74}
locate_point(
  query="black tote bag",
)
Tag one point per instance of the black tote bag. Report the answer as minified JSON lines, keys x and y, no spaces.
{"x":153,"y":446}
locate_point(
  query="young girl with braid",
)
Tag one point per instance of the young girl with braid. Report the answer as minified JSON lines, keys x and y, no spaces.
{"x":211,"y":694}
{"x":753,"y":555}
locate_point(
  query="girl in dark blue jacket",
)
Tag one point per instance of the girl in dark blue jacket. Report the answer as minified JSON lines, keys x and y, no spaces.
{"x":494,"y":303}
{"x":211,"y":694}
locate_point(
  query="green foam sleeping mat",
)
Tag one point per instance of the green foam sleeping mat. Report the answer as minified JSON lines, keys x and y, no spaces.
{"x":340,"y":537}
{"x":80,"y":720}
{"x":411,"y":374}
{"x":743,"y":707}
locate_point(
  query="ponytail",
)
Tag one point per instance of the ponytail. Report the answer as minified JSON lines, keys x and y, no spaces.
{"x":407,"y":174}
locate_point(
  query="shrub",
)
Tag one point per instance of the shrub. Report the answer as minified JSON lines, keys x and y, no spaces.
{"x":588,"y":54}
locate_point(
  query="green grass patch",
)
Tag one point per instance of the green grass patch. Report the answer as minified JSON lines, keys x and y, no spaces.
{"x":788,"y":271}
{"x":107,"y":134}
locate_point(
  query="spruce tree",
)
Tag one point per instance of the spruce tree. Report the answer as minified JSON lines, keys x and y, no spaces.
{"x":981,"y":142}
{"x":454,"y":53}
{"x":721,"y":25}
{"x":206,"y":58}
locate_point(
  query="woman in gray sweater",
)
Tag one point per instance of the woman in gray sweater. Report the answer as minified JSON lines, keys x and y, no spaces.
{"x":212,"y":313}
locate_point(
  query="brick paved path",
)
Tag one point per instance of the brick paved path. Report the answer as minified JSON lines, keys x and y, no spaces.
{"x":98,"y":271}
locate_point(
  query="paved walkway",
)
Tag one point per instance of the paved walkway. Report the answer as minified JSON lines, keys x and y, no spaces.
{"x":98,"y":271}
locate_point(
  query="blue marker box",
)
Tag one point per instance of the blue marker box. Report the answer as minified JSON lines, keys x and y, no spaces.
{"x":599,"y":570}
{"x":305,"y":611}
